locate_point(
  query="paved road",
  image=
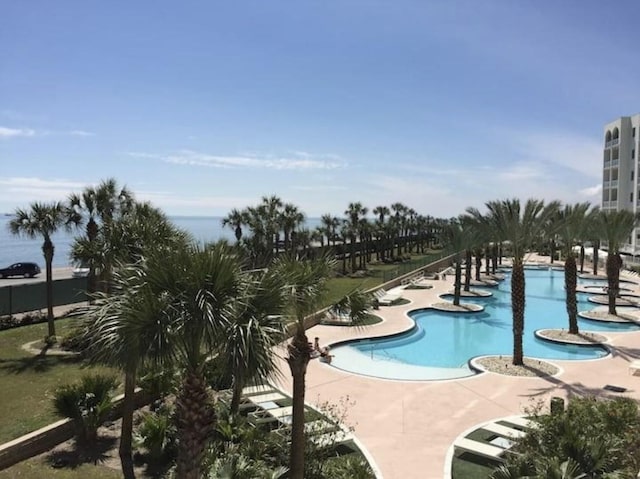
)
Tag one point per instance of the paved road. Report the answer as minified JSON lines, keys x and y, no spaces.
{"x":58,"y":273}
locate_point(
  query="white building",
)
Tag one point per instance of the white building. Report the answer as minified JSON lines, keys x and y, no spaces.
{"x":620,"y":171}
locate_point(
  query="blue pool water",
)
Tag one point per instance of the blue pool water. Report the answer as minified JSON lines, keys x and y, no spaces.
{"x":442,"y":343}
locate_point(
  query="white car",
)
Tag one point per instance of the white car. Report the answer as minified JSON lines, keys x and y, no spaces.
{"x":80,"y":272}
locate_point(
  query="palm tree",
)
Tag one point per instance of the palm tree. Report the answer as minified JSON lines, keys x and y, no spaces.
{"x":97,"y":208}
{"x":253,"y":331}
{"x":521,"y":227}
{"x":615,"y":227}
{"x":572,"y":222}
{"x":457,"y":239}
{"x":290,"y":219}
{"x":235,"y":220}
{"x":125,"y":330}
{"x":355,"y":212}
{"x":356,"y":304}
{"x":306,"y":281}
{"x":42,"y":220}
{"x":399,"y":220}
{"x":331,"y":225}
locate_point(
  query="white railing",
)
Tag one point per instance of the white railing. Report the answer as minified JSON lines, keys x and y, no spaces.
{"x":611,"y":143}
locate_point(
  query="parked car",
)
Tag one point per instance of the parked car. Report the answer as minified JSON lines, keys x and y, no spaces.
{"x":80,"y":272}
{"x":28,"y":270}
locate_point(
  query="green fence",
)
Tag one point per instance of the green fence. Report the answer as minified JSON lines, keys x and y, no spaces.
{"x":33,"y":296}
{"x":409,"y":266}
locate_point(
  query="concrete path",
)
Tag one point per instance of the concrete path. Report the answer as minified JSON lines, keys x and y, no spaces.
{"x":408,"y":426}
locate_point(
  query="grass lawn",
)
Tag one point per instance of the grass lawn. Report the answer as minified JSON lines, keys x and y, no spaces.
{"x":465,"y":465}
{"x":38,"y":467}
{"x":28,"y":382}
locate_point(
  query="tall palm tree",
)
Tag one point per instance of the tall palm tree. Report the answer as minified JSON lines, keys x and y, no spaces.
{"x":235,"y":220}
{"x":126,"y":329}
{"x":42,"y":220}
{"x":331,"y":225}
{"x":354,"y":212}
{"x":253,"y":331}
{"x":399,"y":220}
{"x":97,"y":208}
{"x":290,"y":219}
{"x":572,"y":221}
{"x":306,"y":283}
{"x":457,"y":239}
{"x":615,"y":227}
{"x":521,"y":227}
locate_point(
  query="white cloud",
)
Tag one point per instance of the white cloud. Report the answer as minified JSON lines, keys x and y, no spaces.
{"x":15,"y":132}
{"x":592,"y":191}
{"x":6,"y":133}
{"x":25,"y":190}
{"x":295,"y":161}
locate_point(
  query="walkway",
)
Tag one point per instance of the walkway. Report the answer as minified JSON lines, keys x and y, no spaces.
{"x":408,"y":426}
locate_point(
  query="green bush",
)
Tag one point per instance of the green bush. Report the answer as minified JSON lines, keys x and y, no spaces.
{"x":156,"y":433}
{"x":88,"y":403}
{"x":598,"y":438}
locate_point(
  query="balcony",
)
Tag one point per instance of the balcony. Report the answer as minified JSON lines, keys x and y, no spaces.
{"x":611,"y":163}
{"x":611,"y":143}
{"x":609,"y":205}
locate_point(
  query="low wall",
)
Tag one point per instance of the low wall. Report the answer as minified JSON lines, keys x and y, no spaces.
{"x":21,"y":298}
{"x":48,"y":437}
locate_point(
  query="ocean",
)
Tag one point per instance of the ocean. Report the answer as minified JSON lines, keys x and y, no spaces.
{"x":15,"y":249}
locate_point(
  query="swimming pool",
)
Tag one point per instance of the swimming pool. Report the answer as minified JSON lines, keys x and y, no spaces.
{"x":441,"y":344}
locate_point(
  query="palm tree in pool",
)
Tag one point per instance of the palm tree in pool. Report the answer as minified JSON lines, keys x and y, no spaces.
{"x":521,"y":227}
{"x":235,"y":220}
{"x":305,"y":286}
{"x":457,"y":239}
{"x":42,"y":220}
{"x":572,"y":221}
{"x":615,"y":227}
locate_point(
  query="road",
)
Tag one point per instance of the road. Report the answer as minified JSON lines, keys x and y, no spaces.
{"x":58,"y":273}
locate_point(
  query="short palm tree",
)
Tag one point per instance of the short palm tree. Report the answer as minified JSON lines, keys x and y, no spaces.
{"x":42,"y":220}
{"x":572,"y":222}
{"x":521,"y":227}
{"x":305,"y":286}
{"x":356,"y":304}
{"x":615,"y":227}
{"x":235,"y":220}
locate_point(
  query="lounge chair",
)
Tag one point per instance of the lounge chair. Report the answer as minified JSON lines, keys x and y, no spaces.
{"x":522,"y":422}
{"x":504,"y":430}
{"x":481,"y":449}
{"x":260,"y":389}
{"x":386,"y":299}
{"x":260,"y":398}
{"x":634,"y":367}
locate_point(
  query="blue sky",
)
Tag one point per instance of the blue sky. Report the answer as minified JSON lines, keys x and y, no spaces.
{"x":204,"y":106}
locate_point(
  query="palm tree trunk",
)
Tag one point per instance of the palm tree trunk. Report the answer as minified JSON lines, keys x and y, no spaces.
{"x":298,"y":359}
{"x":457,"y":285}
{"x":487,"y":259}
{"x":47,"y":250}
{"x":467,"y":270}
{"x":237,"y":392}
{"x":614,"y":262}
{"x":352,"y":253}
{"x":128,"y":406}
{"x":494,"y":259}
{"x":581,"y":258}
{"x":195,"y":422}
{"x":596,"y":247}
{"x":478,"y":264}
{"x":552,"y":247}
{"x":570,"y":281}
{"x":517,"y":305}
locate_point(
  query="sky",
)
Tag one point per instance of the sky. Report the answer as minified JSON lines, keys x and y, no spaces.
{"x":204,"y":106}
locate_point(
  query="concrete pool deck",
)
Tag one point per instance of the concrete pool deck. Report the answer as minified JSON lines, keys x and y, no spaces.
{"x":408,"y":426}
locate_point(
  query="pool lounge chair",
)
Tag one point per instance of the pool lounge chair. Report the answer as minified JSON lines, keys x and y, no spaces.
{"x":481,"y":449}
{"x":386,"y":299}
{"x":504,"y":430}
{"x":259,"y":389}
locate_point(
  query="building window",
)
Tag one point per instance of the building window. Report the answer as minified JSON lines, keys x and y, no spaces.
{"x":631,"y":175}
{"x":633,"y":154}
{"x":631,"y":197}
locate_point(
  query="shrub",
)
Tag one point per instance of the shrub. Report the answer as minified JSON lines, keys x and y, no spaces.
{"x":595,"y":437}
{"x":88,"y":403}
{"x":156,"y":433}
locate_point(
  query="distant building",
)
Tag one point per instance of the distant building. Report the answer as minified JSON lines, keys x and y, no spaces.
{"x":620,"y":186}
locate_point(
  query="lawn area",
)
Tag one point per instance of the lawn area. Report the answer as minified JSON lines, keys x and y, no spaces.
{"x":341,"y":286}
{"x":39,"y":467}
{"x":28,"y":382}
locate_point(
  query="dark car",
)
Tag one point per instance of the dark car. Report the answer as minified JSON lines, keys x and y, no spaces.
{"x":28,"y":270}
